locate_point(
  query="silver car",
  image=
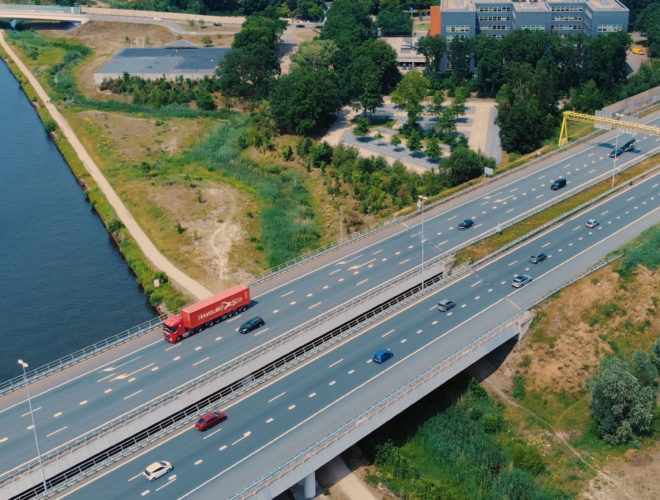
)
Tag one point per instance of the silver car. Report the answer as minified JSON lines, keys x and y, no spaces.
{"x":520,"y":280}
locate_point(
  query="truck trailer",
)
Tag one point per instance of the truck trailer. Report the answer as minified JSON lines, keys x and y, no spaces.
{"x":194,"y":318}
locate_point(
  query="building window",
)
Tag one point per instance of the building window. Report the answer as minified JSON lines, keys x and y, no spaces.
{"x":494,"y":18}
{"x":565,"y":27}
{"x":494,"y":9}
{"x":609,"y":28}
{"x":538,"y":27}
{"x":567,"y":18}
{"x":564,"y":8}
{"x":457,"y":28}
{"x":495,"y":27}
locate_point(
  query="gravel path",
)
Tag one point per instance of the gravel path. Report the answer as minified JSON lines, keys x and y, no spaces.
{"x":157,"y":259}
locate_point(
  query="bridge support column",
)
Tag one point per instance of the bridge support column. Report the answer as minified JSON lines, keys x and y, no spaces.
{"x":310,"y":486}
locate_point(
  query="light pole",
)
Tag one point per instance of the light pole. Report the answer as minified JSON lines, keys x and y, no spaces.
{"x":420,"y":205}
{"x":616,"y":147}
{"x":36,"y":441}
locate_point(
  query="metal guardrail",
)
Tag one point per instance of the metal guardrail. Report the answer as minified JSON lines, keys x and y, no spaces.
{"x":82,"y":354}
{"x":394,"y":396}
{"x":213,"y":374}
{"x":186,"y":415}
{"x":48,"y":8}
{"x":78,"y":356}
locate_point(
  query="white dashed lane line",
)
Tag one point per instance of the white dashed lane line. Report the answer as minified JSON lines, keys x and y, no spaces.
{"x":247,"y":434}
{"x":211,"y":434}
{"x":336,"y":363}
{"x":134,"y":394}
{"x":201,"y":361}
{"x":312,"y":395}
{"x":82,"y":403}
{"x":270,"y":420}
{"x":360,"y":283}
{"x":278,"y":396}
{"x":547,"y":244}
{"x":107,"y":391}
{"x":3,"y":439}
{"x":291,"y":291}
{"x":351,"y":372}
{"x":197,"y":462}
{"x":198,"y":348}
{"x":58,"y":430}
{"x":33,"y":411}
{"x":332,"y":382}
{"x":403,"y":341}
{"x":223,"y":447}
{"x":58,"y":414}
{"x":387,"y":333}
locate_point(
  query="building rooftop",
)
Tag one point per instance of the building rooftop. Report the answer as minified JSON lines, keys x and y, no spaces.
{"x":469,"y":5}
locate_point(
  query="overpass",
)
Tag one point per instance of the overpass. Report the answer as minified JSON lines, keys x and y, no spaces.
{"x":96,"y":402}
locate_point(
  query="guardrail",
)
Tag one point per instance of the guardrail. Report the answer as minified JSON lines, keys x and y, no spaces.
{"x":216,"y":373}
{"x":78,"y":356}
{"x":48,"y":8}
{"x":94,"y":349}
{"x":185,"y":416}
{"x":394,"y":396}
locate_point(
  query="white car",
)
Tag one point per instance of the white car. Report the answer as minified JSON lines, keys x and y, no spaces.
{"x":157,"y":469}
{"x":592,"y":223}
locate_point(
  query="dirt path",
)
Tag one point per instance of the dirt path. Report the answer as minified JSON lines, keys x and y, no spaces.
{"x":158,"y":260}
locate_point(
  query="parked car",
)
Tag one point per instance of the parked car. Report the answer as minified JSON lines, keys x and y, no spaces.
{"x":300,"y":25}
{"x":628,"y":145}
{"x":251,"y":324}
{"x":615,"y":152}
{"x":520,"y":280}
{"x":538,"y":257}
{"x":445,"y":305}
{"x":467,"y":223}
{"x":210,"y":419}
{"x":157,"y":469}
{"x":592,"y":223}
{"x":382,"y":356}
{"x":558,"y":184}
{"x":217,"y":24}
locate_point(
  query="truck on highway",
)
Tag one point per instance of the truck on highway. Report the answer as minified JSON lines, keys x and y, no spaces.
{"x":194,"y":318}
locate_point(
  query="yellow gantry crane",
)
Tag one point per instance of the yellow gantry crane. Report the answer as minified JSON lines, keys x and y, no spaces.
{"x":605,"y":122}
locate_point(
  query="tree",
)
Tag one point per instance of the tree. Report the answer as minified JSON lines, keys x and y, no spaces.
{"x":490,"y":71}
{"x":588,"y":98}
{"x":410,"y":92}
{"x":372,"y":74}
{"x":433,"y":150}
{"x":655,"y":354}
{"x":414,"y":141}
{"x":648,"y":21}
{"x":464,"y":164}
{"x":361,"y":128}
{"x":606,"y":59}
{"x":432,"y":48}
{"x":394,"y":23}
{"x":619,"y":406}
{"x":643,"y":369}
{"x":206,"y":40}
{"x":348,"y":24}
{"x":204,"y":100}
{"x":305,"y":100}
{"x":396,"y":140}
{"x":314,"y":55}
{"x":310,"y":9}
{"x":460,"y":54}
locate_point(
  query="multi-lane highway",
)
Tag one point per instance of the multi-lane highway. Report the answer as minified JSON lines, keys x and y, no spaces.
{"x":66,"y":407}
{"x":284,"y":417}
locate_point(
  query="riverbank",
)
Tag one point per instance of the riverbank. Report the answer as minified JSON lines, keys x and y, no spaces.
{"x":152,"y":259}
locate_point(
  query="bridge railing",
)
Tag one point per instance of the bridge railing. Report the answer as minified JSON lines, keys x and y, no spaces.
{"x":45,"y":8}
{"x":78,"y":356}
{"x":375,"y":409}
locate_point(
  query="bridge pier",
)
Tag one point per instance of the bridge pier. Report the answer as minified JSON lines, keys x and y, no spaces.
{"x":310,"y":486}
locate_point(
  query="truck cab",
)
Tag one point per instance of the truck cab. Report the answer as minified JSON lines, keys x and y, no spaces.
{"x":173,"y":328}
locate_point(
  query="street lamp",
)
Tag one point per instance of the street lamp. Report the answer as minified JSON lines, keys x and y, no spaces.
{"x":616,"y":147}
{"x":420,"y":205}
{"x":36,"y":441}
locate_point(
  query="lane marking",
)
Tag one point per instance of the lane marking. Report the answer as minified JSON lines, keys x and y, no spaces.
{"x":261,"y":332}
{"x":212,"y":433}
{"x":403,"y":341}
{"x":404,"y":261}
{"x":270,"y":420}
{"x":291,"y":407}
{"x":33,"y":411}
{"x":332,"y":382}
{"x":351,"y":372}
{"x":58,"y":414}
{"x":336,"y":363}
{"x":476,"y":283}
{"x":387,"y":333}
{"x":512,"y":263}
{"x":360,"y":283}
{"x":547,"y":244}
{"x":218,"y":338}
{"x":83,"y":402}
{"x":312,"y":395}
{"x":290,"y":292}
{"x":223,"y":447}
{"x":197,"y":462}
{"x":315,"y":305}
{"x":247,"y":434}
{"x":107,"y":391}
{"x":134,"y":394}
{"x":58,"y":430}
{"x":201,"y":361}
{"x":278,"y":396}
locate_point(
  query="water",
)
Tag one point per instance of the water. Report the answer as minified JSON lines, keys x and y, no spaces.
{"x":63,"y":283}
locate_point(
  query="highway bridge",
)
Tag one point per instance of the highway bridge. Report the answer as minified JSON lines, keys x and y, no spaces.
{"x":96,"y":403}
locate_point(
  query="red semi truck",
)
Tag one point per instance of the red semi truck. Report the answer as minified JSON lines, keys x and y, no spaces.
{"x":208,"y":312}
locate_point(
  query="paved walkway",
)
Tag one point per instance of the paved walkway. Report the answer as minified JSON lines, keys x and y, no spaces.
{"x":158,"y":260}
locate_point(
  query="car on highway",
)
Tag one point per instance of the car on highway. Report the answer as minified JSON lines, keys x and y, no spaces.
{"x":467,"y":223}
{"x":538,"y":257}
{"x":382,"y":356}
{"x":217,"y":24}
{"x":157,"y":469}
{"x":615,"y":152}
{"x":445,"y":305}
{"x":520,"y":280}
{"x":251,"y":324}
{"x":210,"y":420}
{"x":628,"y":145}
{"x":558,"y":184}
{"x":592,"y":223}
{"x":300,"y":25}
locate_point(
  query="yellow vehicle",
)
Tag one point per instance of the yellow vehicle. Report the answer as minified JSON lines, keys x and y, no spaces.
{"x":639,"y":50}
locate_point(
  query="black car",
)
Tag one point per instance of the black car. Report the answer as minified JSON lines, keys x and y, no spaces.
{"x":300,"y":25}
{"x":445,"y":305}
{"x":251,"y":324}
{"x":467,"y":223}
{"x":628,"y":146}
{"x":558,"y":184}
{"x":615,"y":152}
{"x":217,"y":24}
{"x":537,"y":257}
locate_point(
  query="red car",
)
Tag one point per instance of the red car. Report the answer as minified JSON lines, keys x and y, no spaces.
{"x":210,"y":419}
